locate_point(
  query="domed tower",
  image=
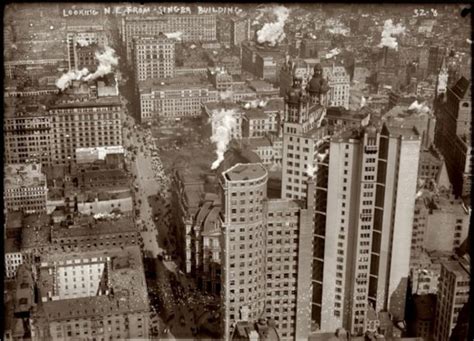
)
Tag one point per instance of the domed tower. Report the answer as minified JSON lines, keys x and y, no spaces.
{"x":296,"y":103}
{"x":318,"y":86}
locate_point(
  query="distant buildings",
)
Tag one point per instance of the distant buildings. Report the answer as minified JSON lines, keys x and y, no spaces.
{"x":177,"y":97}
{"x":194,"y":28}
{"x":436,"y":54}
{"x":154,"y":57}
{"x":79,"y":39}
{"x":25,"y":188}
{"x":262,"y":61}
{"x":339,"y":84}
{"x":453,"y":293}
{"x":239,"y":30}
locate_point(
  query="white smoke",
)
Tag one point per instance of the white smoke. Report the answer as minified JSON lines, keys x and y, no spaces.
{"x":365,"y":121}
{"x":388,"y":33}
{"x":420,"y":108}
{"x":174,"y":35}
{"x":192,"y":47}
{"x":223,"y":121}
{"x":224,"y":95}
{"x":252,"y":104}
{"x":363,"y":102}
{"x":273,"y":32}
{"x":339,"y":30}
{"x":82,"y":42}
{"x":320,"y":121}
{"x":107,"y":60}
{"x":64,"y":81}
{"x":469,"y":41}
{"x":310,"y":169}
{"x":419,"y":194}
{"x":332,"y":53}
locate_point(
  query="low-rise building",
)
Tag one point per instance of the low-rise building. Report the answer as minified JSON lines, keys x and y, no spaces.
{"x":25,"y":188}
{"x":91,"y":294}
{"x":13,"y":257}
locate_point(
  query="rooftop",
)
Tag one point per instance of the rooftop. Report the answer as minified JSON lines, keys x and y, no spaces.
{"x":456,"y":267}
{"x":246,"y":172}
{"x":127,"y":286}
{"x":24,"y":175}
{"x":176,"y":83}
{"x":71,"y":101}
{"x":94,"y":227}
{"x":406,"y":133}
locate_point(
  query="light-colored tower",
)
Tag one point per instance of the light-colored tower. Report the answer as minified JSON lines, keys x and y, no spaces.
{"x":371,"y":191}
{"x":302,"y":129}
{"x":244,"y":188}
{"x":442,"y":80}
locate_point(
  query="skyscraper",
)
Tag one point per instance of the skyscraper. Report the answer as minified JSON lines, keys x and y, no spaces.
{"x":302,"y":129}
{"x":266,"y":263}
{"x":366,"y":231}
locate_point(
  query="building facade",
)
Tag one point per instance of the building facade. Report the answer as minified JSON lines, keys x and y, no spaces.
{"x":265,"y":242}
{"x":371,"y":186}
{"x":194,"y":28}
{"x":82,"y":124}
{"x":154,"y":57}
{"x":27,"y":136}
{"x":453,"y":293}
{"x":79,"y":37}
{"x":339,"y":84}
{"x":25,"y":188}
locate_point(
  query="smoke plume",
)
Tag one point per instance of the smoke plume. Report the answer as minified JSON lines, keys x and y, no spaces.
{"x":225,"y":95}
{"x":82,"y":42}
{"x":363,"y":102}
{"x":420,"y":108}
{"x":256,"y":103}
{"x":332,"y":53}
{"x":310,"y":169}
{"x":273,"y":32}
{"x":388,"y":33}
{"x":174,"y":35}
{"x":107,"y":60}
{"x":339,"y":30}
{"x":64,"y":81}
{"x":223,"y":121}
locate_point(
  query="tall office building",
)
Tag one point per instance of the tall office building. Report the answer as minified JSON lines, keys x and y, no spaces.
{"x":368,"y":198}
{"x":436,"y":55}
{"x":302,"y":129}
{"x":266,"y":263}
{"x":154,"y":57}
{"x":453,"y":293}
{"x":195,"y":28}
{"x":453,"y":134}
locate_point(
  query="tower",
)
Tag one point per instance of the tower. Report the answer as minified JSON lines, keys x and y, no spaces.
{"x":302,"y":129}
{"x":442,"y":80}
{"x":317,"y":87}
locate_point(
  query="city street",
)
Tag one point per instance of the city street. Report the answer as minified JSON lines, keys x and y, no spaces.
{"x":183,"y":306}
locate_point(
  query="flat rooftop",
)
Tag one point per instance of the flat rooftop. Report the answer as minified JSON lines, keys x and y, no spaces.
{"x":246,"y":172}
{"x":457,"y":268}
{"x":94,"y":227}
{"x":406,"y":133}
{"x":24,"y":175}
{"x":176,"y":83}
{"x":126,"y":280}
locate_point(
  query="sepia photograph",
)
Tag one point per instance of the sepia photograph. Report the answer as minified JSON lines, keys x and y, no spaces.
{"x":237,"y":171}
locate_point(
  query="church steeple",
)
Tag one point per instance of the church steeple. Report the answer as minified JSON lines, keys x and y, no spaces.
{"x":317,"y":86}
